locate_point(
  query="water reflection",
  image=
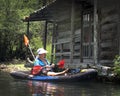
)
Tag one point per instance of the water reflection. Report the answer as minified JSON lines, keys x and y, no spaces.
{"x":13,"y":87}
{"x":45,"y":89}
{"x":72,"y":89}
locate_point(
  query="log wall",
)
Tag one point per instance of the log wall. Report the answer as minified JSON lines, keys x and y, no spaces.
{"x":73,"y":21}
{"x":108,"y":21}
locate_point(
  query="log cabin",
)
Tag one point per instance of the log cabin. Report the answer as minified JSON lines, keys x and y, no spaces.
{"x":84,"y":31}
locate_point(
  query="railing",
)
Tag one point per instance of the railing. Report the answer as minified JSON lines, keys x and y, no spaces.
{"x":88,"y":50}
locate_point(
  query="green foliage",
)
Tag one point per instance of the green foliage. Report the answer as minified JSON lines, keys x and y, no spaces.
{"x":36,"y":37}
{"x":9,"y":25}
{"x":12,"y":28}
{"x":36,"y":42}
{"x":117,"y":65}
{"x":49,"y":52}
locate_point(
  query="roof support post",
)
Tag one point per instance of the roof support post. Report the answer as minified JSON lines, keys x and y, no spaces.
{"x":95,"y":33}
{"x":45,"y":35}
{"x":72,"y":32}
{"x":81,"y":36}
{"x":118,"y":7}
{"x":53,"y":41}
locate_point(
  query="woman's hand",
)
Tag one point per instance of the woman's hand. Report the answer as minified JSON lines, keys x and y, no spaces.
{"x":48,"y":66}
{"x":52,"y":65}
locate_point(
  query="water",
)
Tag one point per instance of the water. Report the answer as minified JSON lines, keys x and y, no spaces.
{"x":13,"y":87}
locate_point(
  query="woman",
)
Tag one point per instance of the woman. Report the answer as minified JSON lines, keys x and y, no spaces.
{"x":45,"y":67}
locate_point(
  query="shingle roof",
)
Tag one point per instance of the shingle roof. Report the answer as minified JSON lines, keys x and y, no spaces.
{"x":40,"y":14}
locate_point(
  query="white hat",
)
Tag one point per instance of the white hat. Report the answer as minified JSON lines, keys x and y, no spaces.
{"x":41,"y":51}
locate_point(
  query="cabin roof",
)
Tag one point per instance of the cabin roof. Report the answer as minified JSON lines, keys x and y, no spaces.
{"x":41,"y":14}
{"x":47,"y":12}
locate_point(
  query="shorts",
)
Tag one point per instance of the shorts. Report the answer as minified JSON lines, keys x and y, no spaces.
{"x":44,"y":71}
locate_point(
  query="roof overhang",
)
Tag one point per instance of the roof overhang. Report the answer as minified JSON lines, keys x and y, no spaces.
{"x":48,"y":12}
{"x":42,"y":14}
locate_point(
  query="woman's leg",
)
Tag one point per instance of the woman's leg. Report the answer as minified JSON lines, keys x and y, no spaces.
{"x":56,"y":73}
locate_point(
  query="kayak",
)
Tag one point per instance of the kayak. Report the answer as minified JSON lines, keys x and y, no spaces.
{"x":82,"y":75}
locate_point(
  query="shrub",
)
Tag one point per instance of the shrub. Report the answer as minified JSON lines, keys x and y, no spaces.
{"x":117,"y":65}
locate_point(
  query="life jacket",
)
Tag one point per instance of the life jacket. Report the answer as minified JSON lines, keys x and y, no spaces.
{"x":36,"y":70}
{"x":61,"y":63}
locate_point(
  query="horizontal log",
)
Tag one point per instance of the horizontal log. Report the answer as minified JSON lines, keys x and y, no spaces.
{"x":64,"y":53}
{"x":107,"y":54}
{"x":106,"y":44}
{"x":105,"y":62}
{"x":108,"y":27}
{"x":110,"y":18}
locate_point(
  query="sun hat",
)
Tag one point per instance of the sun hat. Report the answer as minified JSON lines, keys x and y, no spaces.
{"x":41,"y":51}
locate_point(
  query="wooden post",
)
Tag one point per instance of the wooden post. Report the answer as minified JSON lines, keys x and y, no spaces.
{"x":72,"y":32}
{"x":53,"y":41}
{"x":45,"y":35}
{"x":118,"y":8}
{"x":81,"y":37}
{"x":95,"y":33}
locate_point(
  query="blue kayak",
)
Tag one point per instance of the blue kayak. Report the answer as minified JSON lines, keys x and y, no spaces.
{"x":84,"y":74}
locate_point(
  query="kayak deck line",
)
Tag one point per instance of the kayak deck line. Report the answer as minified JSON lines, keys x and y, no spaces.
{"x":85,"y":74}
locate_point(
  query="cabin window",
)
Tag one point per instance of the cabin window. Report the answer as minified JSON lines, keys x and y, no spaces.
{"x":87,"y":35}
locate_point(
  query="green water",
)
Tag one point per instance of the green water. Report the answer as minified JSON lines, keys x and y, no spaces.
{"x":13,"y":87}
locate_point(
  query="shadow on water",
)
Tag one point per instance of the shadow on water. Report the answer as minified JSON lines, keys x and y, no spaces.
{"x":45,"y":89}
{"x":73,"y":89}
{"x":13,"y":87}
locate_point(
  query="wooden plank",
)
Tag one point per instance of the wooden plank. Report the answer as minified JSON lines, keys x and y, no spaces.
{"x":111,"y":18}
{"x":62,"y":41}
{"x":77,"y":54}
{"x":106,"y":62}
{"x":88,"y":60}
{"x":107,"y":36}
{"x":107,"y":53}
{"x":45,"y":35}
{"x":81,"y":36}
{"x":108,"y":27}
{"x":72,"y":31}
{"x":77,"y":32}
{"x":62,"y":53}
{"x":77,"y":39}
{"x":118,"y":27}
{"x":64,"y":34}
{"x":77,"y":47}
{"x":95,"y":33}
{"x":106,"y":44}
{"x":53,"y":40}
{"x":64,"y":27}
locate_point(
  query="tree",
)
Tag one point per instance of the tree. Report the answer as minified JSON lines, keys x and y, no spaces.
{"x":12,"y":27}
